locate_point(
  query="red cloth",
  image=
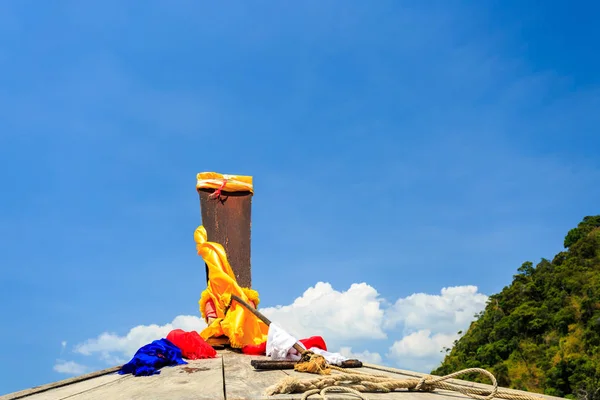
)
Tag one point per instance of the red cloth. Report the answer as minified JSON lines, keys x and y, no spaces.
{"x":255,"y":350}
{"x":314,"y":341}
{"x":191,"y":344}
{"x":261,"y":349}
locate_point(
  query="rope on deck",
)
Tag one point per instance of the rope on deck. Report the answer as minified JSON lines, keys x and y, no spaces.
{"x":356,"y":383}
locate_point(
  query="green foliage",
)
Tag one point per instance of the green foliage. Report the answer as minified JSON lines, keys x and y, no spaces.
{"x":588,"y":224}
{"x":542,"y":332}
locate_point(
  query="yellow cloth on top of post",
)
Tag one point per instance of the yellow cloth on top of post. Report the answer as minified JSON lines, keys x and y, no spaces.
{"x":228,"y":183}
{"x":239,"y":325}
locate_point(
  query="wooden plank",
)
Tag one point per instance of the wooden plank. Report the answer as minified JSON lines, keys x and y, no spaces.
{"x":77,"y":388}
{"x":198,"y":380}
{"x":228,"y":221}
{"x":61,"y":383}
{"x":242,"y":381}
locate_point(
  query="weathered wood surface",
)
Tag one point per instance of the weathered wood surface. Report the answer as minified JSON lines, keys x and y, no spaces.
{"x":228,"y":222}
{"x":229,"y":376}
{"x":198,"y":380}
{"x":61,"y":389}
{"x":242,"y":381}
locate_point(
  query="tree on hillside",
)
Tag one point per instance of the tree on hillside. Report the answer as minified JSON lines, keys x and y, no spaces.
{"x":542,"y":332}
{"x":584,"y":227}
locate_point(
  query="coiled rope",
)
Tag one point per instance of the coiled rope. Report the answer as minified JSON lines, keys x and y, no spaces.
{"x":356,"y":383}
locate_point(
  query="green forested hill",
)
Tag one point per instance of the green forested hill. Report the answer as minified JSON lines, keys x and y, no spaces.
{"x":542,"y":332}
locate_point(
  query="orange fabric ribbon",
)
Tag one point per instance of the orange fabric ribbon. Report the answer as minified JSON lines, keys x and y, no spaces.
{"x":239,"y":325}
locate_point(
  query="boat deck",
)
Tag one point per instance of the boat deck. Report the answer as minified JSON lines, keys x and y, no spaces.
{"x":227,"y":377}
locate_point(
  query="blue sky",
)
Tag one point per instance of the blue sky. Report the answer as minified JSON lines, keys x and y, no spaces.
{"x":411,"y":146}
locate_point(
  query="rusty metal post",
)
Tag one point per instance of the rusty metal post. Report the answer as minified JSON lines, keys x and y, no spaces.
{"x":227,"y":220}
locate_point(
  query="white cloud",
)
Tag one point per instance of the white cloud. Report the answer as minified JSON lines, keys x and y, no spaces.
{"x":70,"y":367}
{"x":449,"y":312}
{"x":430,"y":323}
{"x":364,"y":356}
{"x":420,"y":325}
{"x":421,"y":344}
{"x":356,"y":313}
{"x":115,"y":349}
{"x":420,"y":351}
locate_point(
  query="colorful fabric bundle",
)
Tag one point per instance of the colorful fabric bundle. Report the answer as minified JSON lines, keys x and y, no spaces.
{"x":192,"y":346}
{"x":151,"y":357}
{"x":280,"y":347}
{"x":238,"y":325}
{"x":313,"y":342}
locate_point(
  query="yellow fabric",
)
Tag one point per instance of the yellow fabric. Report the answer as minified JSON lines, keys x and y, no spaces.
{"x":239,"y":325}
{"x":252,"y":295}
{"x":234,"y":183}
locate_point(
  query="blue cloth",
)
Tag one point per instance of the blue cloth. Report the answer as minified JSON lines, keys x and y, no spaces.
{"x":151,"y":357}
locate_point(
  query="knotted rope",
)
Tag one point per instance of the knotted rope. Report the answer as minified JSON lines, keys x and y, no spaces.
{"x":357,"y":382}
{"x":313,"y":364}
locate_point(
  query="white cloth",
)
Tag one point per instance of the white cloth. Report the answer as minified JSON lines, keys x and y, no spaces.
{"x":279,"y":342}
{"x":332,"y":358}
{"x":280,"y":346}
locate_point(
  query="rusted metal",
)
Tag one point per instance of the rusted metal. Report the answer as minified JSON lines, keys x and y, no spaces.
{"x":277,"y":364}
{"x":227,"y":220}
